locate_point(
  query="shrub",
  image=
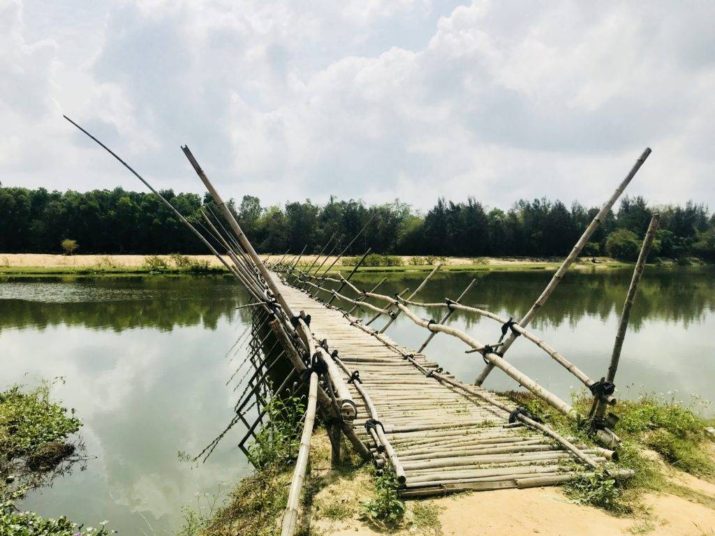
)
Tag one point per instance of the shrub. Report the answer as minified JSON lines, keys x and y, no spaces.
{"x":386,"y":509}
{"x":278,"y":440}
{"x":153,"y":263}
{"x":180,"y":261}
{"x":623,"y":244}
{"x":69,"y":246}
{"x":16,"y":523}
{"x":597,"y":489}
{"x":382,"y":260}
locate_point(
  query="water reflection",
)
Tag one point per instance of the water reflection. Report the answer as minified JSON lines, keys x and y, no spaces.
{"x":146,"y":366}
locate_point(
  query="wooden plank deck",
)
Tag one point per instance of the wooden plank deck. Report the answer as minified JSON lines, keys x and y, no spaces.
{"x":445,"y":438}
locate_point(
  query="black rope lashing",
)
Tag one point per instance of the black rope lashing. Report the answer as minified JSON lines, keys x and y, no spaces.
{"x":602,"y":388}
{"x":487,"y":349}
{"x":450,"y":303}
{"x":317,"y":365}
{"x":355,"y":377}
{"x":509,"y":325}
{"x":514,"y":415}
{"x":429,"y":324}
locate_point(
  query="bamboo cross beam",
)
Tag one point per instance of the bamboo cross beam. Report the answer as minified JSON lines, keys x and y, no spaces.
{"x":487,"y":353}
{"x":373,"y":289}
{"x":559,"y":274}
{"x":417,"y":290}
{"x":447,"y":315}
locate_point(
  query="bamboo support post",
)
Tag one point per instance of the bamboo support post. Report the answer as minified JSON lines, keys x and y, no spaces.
{"x":626,"y":312}
{"x":417,"y":290}
{"x":352,"y":273}
{"x":558,"y":276}
{"x":290,"y":517}
{"x":447,"y":314}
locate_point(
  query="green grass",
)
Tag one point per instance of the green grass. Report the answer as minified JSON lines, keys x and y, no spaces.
{"x":677,"y":433}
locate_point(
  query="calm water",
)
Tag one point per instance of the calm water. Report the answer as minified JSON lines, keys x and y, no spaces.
{"x":144,"y":363}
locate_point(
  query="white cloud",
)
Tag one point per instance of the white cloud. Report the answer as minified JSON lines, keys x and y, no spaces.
{"x":409,"y":99}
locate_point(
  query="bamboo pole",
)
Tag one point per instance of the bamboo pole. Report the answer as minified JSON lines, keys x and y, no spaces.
{"x":352,"y":273}
{"x":417,"y":290}
{"x":290,"y":517}
{"x":447,"y":315}
{"x":630,"y":297}
{"x":626,"y":312}
{"x":558,"y":276}
{"x":350,"y":243}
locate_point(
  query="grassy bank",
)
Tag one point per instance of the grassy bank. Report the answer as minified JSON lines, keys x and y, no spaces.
{"x":35,"y":446}
{"x":664,"y":442}
{"x":42,"y":264}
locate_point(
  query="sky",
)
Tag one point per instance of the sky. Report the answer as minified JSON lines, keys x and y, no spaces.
{"x":366,"y":99}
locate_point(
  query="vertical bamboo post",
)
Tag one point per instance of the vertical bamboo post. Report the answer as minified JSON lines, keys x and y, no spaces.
{"x":352,"y":273}
{"x":447,"y":315}
{"x":417,"y":290}
{"x":556,"y":279}
{"x":245,"y":243}
{"x":626,"y":312}
{"x":630,"y":297}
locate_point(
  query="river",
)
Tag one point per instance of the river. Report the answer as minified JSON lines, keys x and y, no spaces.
{"x":145,"y":362}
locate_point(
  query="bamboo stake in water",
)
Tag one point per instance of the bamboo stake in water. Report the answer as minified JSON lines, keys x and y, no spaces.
{"x":627,"y":306}
{"x":417,"y":290}
{"x":630,"y":298}
{"x":447,"y":314}
{"x":556,"y":279}
{"x":352,"y":273}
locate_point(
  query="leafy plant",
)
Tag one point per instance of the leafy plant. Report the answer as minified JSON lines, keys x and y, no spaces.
{"x":386,"y":509}
{"x":598,"y":489}
{"x":278,"y":440}
{"x":154,"y":263}
{"x":16,"y":523}
{"x":69,"y":246}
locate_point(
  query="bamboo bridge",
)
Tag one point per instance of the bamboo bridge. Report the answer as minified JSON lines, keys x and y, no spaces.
{"x":397,"y":407}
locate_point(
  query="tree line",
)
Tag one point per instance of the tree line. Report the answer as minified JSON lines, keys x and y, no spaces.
{"x":120,"y":221}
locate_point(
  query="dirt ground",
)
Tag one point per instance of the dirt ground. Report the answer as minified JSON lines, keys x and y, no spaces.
{"x":548,"y":511}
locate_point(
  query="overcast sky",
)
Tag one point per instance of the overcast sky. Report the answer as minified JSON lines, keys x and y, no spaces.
{"x":366,"y":99}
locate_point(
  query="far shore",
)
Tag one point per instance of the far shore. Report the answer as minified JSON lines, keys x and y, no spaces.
{"x":49,"y":264}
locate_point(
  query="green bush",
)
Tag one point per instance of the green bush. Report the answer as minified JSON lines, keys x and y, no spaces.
{"x":623,"y":244}
{"x":597,"y":489}
{"x":382,"y":260}
{"x":386,"y":509}
{"x":69,"y":246}
{"x":154,"y":263}
{"x":16,"y":523}
{"x":278,"y":440}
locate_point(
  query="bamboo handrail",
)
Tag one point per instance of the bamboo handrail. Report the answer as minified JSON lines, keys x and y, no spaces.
{"x":549,"y":350}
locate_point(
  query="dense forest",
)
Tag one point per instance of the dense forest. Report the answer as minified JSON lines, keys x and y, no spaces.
{"x":117,"y":221}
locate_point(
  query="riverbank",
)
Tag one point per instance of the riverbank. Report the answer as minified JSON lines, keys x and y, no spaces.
{"x":670,"y":449}
{"x":47,"y":264}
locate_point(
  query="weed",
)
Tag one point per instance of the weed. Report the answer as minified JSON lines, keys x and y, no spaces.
{"x":154,"y":263}
{"x":426,"y":516}
{"x":278,"y":440}
{"x":598,"y":489}
{"x":386,"y":509}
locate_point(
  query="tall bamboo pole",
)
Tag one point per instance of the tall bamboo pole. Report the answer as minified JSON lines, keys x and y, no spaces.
{"x":556,"y":279}
{"x":630,"y":297}
{"x":349,"y":244}
{"x":627,"y":306}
